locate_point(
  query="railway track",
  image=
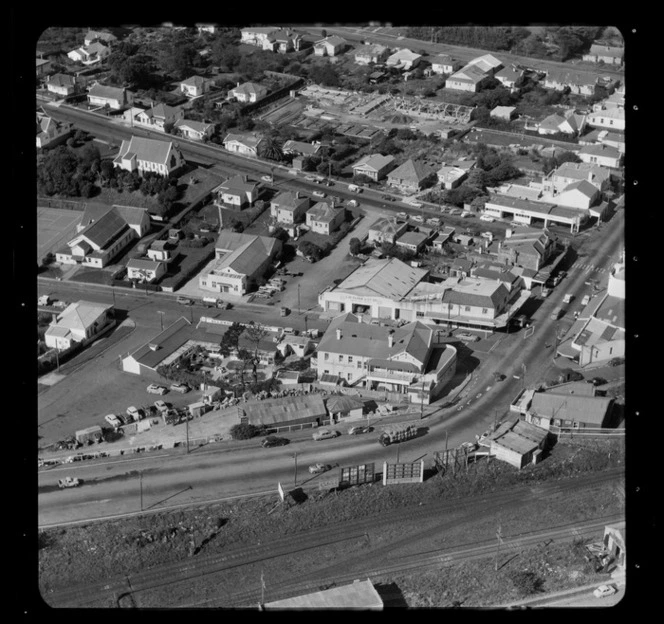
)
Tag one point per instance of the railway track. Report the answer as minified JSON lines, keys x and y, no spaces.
{"x":200,"y":566}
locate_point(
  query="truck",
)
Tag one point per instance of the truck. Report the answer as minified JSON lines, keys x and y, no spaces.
{"x":44,"y":300}
{"x":397,"y":433}
{"x":68,"y":482}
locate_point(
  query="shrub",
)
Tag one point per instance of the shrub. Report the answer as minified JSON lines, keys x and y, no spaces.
{"x":244,"y":431}
{"x":526,"y":582}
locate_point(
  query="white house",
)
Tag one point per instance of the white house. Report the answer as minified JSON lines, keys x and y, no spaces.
{"x":238,"y":192}
{"x":247,"y":145}
{"x":330,"y":46}
{"x":609,"y":118}
{"x":113,"y":97}
{"x":601,"y":154}
{"x":78,"y":322}
{"x":374,"y":166}
{"x":248,"y":92}
{"x":51,"y":132}
{"x":145,"y":270}
{"x":142,"y":155}
{"x":404,"y":59}
{"x":61,"y":84}
{"x":158,"y":117}
{"x":443,"y":64}
{"x":325,"y":218}
{"x":194,"y":86}
{"x":194,"y":130}
{"x":366,"y":54}
{"x":611,"y":55}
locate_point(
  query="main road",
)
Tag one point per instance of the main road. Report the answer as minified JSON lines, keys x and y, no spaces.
{"x":155,"y":481}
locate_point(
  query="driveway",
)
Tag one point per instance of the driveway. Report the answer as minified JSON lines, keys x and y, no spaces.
{"x":334,"y":267}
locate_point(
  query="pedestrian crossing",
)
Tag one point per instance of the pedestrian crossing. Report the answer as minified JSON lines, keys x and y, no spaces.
{"x":587,"y":268}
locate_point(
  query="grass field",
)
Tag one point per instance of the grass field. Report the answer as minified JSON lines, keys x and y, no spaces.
{"x":88,"y":553}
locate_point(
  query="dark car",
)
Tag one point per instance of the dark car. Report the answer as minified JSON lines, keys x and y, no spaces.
{"x":616,"y":361}
{"x":271,"y":441}
{"x":387,"y":198}
{"x":597,"y":381}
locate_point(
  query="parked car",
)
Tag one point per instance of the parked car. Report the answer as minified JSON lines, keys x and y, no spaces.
{"x":156,"y":389}
{"x":325,"y":434}
{"x":113,"y":420}
{"x":359,"y":429}
{"x":133,"y":413}
{"x":605,"y":590}
{"x":617,"y":361}
{"x":487,"y":218}
{"x":468,"y":337}
{"x":318,"y":468}
{"x":586,"y":300}
{"x":597,"y":381}
{"x":498,"y":376}
{"x":402,"y":215}
{"x":329,"y":183}
{"x":456,"y":211}
{"x":353,"y":203}
{"x":568,"y":298}
{"x":271,"y":441}
{"x":185,"y":301}
{"x":68,"y":482}
{"x":180,"y":387}
{"x":161,"y":406}
{"x":387,"y":198}
{"x":545,"y":292}
{"x":266,"y":178}
{"x":433,"y":221}
{"x":418,"y":218}
{"x":319,"y":194}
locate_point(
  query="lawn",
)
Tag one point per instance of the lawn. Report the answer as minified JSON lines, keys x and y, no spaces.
{"x":99,"y":551}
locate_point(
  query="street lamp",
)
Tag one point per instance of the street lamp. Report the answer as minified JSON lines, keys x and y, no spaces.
{"x":298,"y":299}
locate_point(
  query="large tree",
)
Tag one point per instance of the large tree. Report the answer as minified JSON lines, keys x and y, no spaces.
{"x":231,"y":339}
{"x":255,"y":333}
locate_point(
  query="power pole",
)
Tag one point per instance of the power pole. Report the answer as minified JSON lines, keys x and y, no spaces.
{"x":294,"y":456}
{"x":187,"y":427}
{"x":298,"y":299}
{"x":140,"y":486}
{"x":499,"y":536}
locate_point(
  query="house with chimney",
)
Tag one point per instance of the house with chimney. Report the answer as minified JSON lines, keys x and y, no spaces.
{"x":248,"y":92}
{"x":290,"y":207}
{"x":61,"y":84}
{"x":158,"y":117}
{"x":330,"y":46}
{"x":601,"y":154}
{"x":283,"y":41}
{"x":404,"y":59}
{"x":325,"y":217}
{"x":444,"y":64}
{"x":238,"y":193}
{"x":113,"y":97}
{"x":579,"y":83}
{"x":530,"y":248}
{"x":410,"y":177}
{"x":386,"y":230}
{"x":194,"y":130}
{"x":399,"y":360}
{"x":368,"y":54}
{"x":51,"y":132}
{"x":79,"y":322}
{"x":145,"y":269}
{"x":610,"y":55}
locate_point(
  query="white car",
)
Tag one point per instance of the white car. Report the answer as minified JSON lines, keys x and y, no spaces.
{"x":318,"y":468}
{"x":155,"y":389}
{"x":418,"y":218}
{"x":113,"y":420}
{"x":487,"y":218}
{"x":325,"y":434}
{"x":586,"y":300}
{"x":468,"y":337}
{"x":133,"y":413}
{"x":318,"y":194}
{"x":604,"y":590}
{"x":266,"y":178}
{"x":402,"y":215}
{"x":161,"y":406}
{"x":353,"y":203}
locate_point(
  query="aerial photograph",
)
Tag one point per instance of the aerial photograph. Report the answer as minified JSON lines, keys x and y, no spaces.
{"x":330,"y":316}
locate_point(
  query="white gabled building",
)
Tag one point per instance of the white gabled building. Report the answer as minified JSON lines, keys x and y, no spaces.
{"x":78,"y":322}
{"x":143,"y":155}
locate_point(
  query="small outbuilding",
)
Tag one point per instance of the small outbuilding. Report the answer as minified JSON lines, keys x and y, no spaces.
{"x":342,"y":406}
{"x":90,"y":434}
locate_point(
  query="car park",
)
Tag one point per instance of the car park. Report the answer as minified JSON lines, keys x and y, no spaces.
{"x":318,"y":468}
{"x":180,"y":387}
{"x":487,"y":218}
{"x":605,"y":590}
{"x":325,"y":434}
{"x":271,"y":441}
{"x":156,"y":389}
{"x":113,"y":420}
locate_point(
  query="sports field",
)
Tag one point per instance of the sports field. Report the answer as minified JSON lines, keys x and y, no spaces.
{"x":55,"y":227}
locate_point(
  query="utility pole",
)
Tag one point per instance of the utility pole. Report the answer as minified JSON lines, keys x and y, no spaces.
{"x":187,"y":428}
{"x":113,"y":292}
{"x":422,"y":401}
{"x":306,"y":329}
{"x":191,"y":314}
{"x":140,"y":485}
{"x":499,"y":536}
{"x":298,"y":299}
{"x":294,"y":456}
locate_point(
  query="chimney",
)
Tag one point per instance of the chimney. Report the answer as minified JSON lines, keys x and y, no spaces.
{"x":338,"y":334}
{"x":591,"y":175}
{"x":238,"y":84}
{"x":245,"y":177}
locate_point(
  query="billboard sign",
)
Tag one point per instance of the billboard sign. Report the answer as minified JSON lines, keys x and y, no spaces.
{"x":403,"y":473}
{"x":356,"y":475}
{"x":329,"y":482}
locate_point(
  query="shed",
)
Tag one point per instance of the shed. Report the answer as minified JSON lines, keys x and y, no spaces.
{"x":517,"y":442}
{"x":285,"y":412}
{"x":198,"y":409}
{"x":342,"y":406}
{"x":93,"y":433}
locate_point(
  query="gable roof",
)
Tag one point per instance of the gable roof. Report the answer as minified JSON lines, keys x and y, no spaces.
{"x":375,"y":49}
{"x":376,"y":162}
{"x":599,"y":49}
{"x":563,"y":76}
{"x":470,"y":292}
{"x":132,"y":215}
{"x":143,"y":264}
{"x":245,"y":139}
{"x":150,"y":150}
{"x":583,"y":186}
{"x":165,"y":343}
{"x":110,"y":93}
{"x":386,"y":225}
{"x":249,"y":88}
{"x":600,"y":149}
{"x":194,"y":81}
{"x":323,"y":212}
{"x":249,"y":256}
{"x":390,"y":278}
{"x":105,"y":228}
{"x":81,"y":314}
{"x":196,"y":126}
{"x":274,"y":411}
{"x":163,"y":111}
{"x":586,"y":409}
{"x":61,"y":80}
{"x":289,"y":200}
{"x":485,"y":62}
{"x":469,"y":73}
{"x":442,"y":59}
